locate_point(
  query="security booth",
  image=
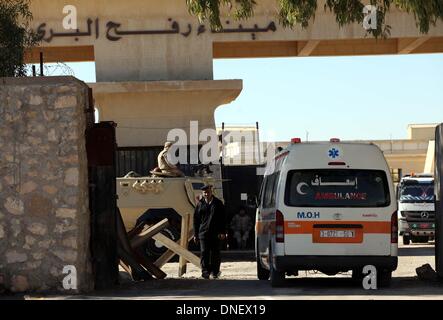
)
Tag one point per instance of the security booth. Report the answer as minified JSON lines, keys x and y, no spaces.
{"x":438,"y":200}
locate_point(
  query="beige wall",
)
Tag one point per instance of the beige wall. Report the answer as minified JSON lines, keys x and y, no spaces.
{"x":157,"y":57}
{"x":176,"y":57}
{"x":408,"y":155}
{"x":421,"y":131}
{"x":408,"y":164}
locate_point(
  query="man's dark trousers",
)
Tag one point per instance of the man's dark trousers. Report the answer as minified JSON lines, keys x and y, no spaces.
{"x":210,"y":255}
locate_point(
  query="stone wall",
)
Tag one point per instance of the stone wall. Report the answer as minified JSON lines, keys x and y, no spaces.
{"x":44,"y":210}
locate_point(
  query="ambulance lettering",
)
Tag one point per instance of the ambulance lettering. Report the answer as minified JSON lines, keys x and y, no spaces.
{"x":308,"y":215}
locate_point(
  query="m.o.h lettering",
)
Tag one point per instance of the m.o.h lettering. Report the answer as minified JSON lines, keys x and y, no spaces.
{"x":308,"y":215}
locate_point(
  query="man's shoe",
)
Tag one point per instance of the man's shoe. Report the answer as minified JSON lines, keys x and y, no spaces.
{"x":216,"y":275}
{"x":205,"y":275}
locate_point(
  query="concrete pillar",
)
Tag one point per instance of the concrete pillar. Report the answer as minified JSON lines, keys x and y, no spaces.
{"x":146,"y":111}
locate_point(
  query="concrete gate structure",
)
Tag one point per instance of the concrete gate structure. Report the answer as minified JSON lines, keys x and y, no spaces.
{"x":154,"y":61}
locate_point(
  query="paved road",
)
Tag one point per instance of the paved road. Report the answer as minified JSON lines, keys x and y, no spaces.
{"x":239,"y":282}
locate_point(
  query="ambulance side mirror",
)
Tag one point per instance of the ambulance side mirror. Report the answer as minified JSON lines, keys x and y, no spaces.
{"x":257,"y":204}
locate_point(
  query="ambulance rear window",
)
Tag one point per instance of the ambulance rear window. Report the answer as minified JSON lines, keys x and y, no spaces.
{"x":343,"y":188}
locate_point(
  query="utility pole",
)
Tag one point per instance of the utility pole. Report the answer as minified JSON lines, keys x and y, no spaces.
{"x":258,"y":142}
{"x":41,"y":64}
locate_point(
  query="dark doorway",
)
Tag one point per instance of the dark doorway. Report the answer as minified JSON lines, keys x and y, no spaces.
{"x":241,"y":191}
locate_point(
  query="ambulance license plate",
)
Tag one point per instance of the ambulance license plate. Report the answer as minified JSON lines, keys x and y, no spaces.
{"x":337,"y":234}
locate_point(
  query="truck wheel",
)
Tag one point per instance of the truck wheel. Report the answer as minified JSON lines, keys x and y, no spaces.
{"x":262,"y":273}
{"x":277,"y":277}
{"x":384,"y":278}
{"x":406,"y":240}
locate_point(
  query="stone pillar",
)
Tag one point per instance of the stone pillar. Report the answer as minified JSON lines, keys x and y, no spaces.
{"x":146,"y":111}
{"x":44,"y":209}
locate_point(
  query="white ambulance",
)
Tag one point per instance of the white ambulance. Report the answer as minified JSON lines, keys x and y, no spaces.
{"x":329,"y":207}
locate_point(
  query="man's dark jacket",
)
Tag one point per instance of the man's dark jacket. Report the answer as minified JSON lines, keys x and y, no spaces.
{"x":209,"y":219}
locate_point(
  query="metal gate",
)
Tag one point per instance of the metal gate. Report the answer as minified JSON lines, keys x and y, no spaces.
{"x":101,"y":148}
{"x":137,"y":159}
{"x":143,"y":159}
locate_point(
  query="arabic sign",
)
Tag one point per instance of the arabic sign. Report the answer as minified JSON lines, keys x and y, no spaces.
{"x":41,"y":32}
{"x":303,"y":187}
{"x":348,"y":183}
{"x":115,"y":33}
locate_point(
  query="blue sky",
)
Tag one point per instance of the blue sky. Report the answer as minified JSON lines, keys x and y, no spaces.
{"x":368,"y":97}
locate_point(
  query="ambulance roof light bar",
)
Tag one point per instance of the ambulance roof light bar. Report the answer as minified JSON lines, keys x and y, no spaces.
{"x":295,"y":140}
{"x":334,"y":140}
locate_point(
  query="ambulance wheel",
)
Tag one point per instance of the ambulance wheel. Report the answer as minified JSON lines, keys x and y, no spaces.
{"x":262,"y":273}
{"x":384,"y":278}
{"x":406,"y":240}
{"x":277,"y":277}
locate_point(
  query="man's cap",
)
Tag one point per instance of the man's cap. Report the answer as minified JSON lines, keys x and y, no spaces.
{"x":168,"y":144}
{"x":206,"y":187}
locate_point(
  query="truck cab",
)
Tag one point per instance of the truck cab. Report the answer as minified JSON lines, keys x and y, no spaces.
{"x":415,"y":194}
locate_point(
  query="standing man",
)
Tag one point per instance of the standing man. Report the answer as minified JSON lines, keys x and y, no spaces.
{"x":209,"y":231}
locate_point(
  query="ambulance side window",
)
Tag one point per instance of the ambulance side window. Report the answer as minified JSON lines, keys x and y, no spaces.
{"x":274,"y":189}
{"x":270,"y":190}
{"x":262,"y":191}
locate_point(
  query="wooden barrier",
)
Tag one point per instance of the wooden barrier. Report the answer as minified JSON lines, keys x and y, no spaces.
{"x":135,"y":262}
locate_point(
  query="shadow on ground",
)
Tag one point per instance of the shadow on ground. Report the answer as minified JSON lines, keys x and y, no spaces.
{"x":417,"y":250}
{"x":311,"y":287}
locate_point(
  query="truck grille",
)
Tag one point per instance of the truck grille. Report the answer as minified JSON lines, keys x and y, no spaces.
{"x":420,"y":216}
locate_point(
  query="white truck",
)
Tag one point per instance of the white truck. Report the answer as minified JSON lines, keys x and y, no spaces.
{"x":416,"y":208}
